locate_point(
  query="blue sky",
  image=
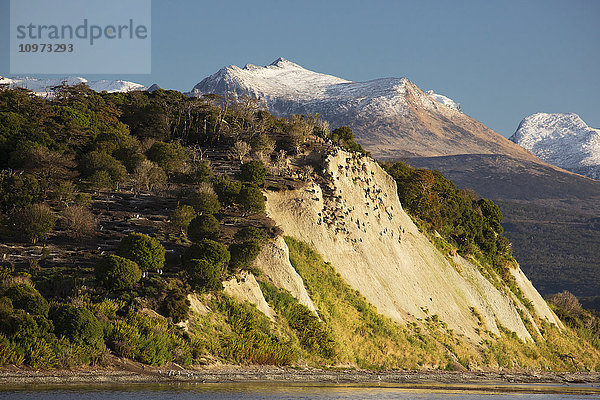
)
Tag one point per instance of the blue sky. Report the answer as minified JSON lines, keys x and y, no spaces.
{"x":502,"y":60}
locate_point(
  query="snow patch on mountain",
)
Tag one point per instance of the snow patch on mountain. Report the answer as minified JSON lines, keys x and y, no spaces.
{"x":564,"y":140}
{"x":287,"y":88}
{"x":448,"y":102}
{"x":44,"y":86}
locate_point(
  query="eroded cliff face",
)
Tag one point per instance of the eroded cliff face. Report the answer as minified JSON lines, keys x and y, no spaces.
{"x":351,"y":214}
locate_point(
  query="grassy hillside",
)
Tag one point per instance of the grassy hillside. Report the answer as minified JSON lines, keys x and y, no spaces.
{"x":121,"y":211}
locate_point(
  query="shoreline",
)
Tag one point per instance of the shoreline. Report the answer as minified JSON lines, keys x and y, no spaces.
{"x":547,"y":382}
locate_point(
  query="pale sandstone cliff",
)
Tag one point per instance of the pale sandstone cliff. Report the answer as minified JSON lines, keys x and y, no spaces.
{"x":353,"y":217}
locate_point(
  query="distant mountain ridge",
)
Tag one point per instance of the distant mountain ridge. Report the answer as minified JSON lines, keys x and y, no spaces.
{"x":44,"y":86}
{"x":564,"y":140}
{"x":391,"y":117}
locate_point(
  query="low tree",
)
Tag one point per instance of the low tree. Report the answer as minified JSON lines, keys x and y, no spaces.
{"x":27,"y":298}
{"x":79,"y":325}
{"x":182,"y":216}
{"x":201,"y":172}
{"x":227,"y":190}
{"x":18,"y":190}
{"x":78,"y":221}
{"x":206,"y":249}
{"x":203,"y":275}
{"x":251,"y":199}
{"x":171,"y":157}
{"x":144,"y":250}
{"x":239,"y":151}
{"x":204,"y":201}
{"x":33,"y":222}
{"x":203,"y":226}
{"x":262,"y":146}
{"x":175,"y":305}
{"x":117,"y":273}
{"x":149,"y":176}
{"x":253,"y":172}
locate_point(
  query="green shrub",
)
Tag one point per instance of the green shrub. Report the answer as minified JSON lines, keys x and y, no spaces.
{"x":146,"y":251}
{"x":204,"y":202}
{"x":176,"y":306}
{"x":206,"y":249}
{"x":78,"y":324}
{"x":201,"y":173}
{"x":21,"y":325}
{"x":33,"y":222}
{"x":244,"y":254}
{"x":227,"y":190}
{"x":248,"y":233}
{"x":96,"y":161}
{"x":253,"y":172}
{"x":26,"y":298}
{"x":203,"y":275}
{"x":251,"y":199}
{"x":203,"y":227}
{"x":182,"y":216}
{"x":171,"y":157}
{"x":117,"y":273}
{"x":19,"y":190}
{"x":344,"y":137}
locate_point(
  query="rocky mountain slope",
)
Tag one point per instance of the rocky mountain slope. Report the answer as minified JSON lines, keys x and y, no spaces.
{"x":564,"y":140}
{"x":44,"y":86}
{"x":391,"y":117}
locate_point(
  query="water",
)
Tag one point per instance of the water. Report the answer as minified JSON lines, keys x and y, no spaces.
{"x":280,"y":392}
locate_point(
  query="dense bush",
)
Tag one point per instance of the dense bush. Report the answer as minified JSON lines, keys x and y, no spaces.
{"x":253,"y":172}
{"x":244,"y":254}
{"x":203,"y":227}
{"x":117,"y":273}
{"x":175,"y":306}
{"x":146,"y":251}
{"x":201,"y":172}
{"x":18,"y":190}
{"x":33,"y":222}
{"x":203,"y":275}
{"x":26,"y":298}
{"x":227,"y":189}
{"x":149,"y":176}
{"x":249,"y":233}
{"x":94,"y":162}
{"x":182,"y":216}
{"x":251,"y":199}
{"x":204,"y":202}
{"x":206,"y":249}
{"x":247,"y":244}
{"x":171,"y":157}
{"x":344,"y":137}
{"x":77,"y":324}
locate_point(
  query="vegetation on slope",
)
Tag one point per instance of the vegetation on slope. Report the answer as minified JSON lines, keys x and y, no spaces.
{"x":111,"y":214}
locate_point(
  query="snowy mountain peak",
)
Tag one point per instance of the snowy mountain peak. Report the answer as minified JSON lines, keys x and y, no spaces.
{"x":564,"y":140}
{"x":283,"y":63}
{"x":43,"y":87}
{"x":284,"y":85}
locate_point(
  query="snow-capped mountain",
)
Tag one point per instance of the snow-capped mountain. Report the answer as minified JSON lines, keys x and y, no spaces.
{"x":391,"y":117}
{"x":44,"y":86}
{"x":563,"y":140}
